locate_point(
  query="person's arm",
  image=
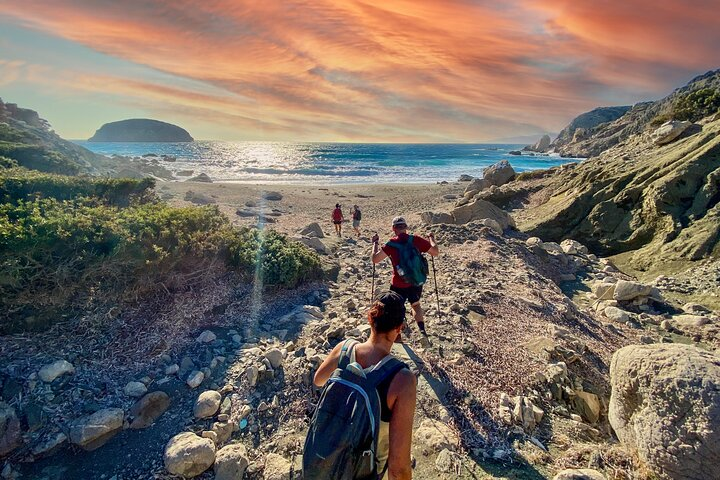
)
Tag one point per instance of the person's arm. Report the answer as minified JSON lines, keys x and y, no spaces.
{"x":433,"y":250}
{"x":378,"y":254}
{"x":401,"y":424}
{"x":328,"y":366}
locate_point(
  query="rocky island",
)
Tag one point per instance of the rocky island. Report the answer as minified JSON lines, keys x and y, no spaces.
{"x":140,"y":130}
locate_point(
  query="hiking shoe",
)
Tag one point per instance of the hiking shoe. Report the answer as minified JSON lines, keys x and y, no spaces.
{"x":421,"y":327}
{"x":424,"y":341}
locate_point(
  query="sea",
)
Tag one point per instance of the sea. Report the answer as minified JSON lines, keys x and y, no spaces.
{"x":330,"y":163}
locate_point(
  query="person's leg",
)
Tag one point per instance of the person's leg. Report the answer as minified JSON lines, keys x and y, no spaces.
{"x":418,"y":315}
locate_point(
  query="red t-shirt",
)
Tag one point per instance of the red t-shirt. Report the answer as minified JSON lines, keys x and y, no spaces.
{"x":420,"y":243}
{"x":337,"y":215}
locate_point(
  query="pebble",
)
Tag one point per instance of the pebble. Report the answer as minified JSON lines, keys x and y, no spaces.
{"x":195,"y":379}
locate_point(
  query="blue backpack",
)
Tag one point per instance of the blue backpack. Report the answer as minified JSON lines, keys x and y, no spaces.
{"x":341,"y":443}
{"x":413,"y":266}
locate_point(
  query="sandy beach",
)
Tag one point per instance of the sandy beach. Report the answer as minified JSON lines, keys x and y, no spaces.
{"x":304,"y":204}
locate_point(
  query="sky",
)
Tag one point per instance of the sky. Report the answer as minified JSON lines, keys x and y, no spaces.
{"x":348,"y":70}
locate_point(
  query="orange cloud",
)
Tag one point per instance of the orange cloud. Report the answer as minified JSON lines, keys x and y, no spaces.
{"x":451,"y":70}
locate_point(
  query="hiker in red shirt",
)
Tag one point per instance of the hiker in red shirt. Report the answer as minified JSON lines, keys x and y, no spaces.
{"x":337,"y":219}
{"x":406,"y":284}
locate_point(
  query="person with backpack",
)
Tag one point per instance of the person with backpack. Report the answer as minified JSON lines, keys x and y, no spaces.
{"x":337,"y":219}
{"x":356,"y":217}
{"x":362,"y":425}
{"x":410,"y":268}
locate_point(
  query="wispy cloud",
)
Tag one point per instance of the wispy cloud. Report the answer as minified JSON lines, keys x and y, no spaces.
{"x":443,"y":70}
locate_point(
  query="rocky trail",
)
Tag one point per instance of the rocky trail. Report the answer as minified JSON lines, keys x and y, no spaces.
{"x":515,"y":383}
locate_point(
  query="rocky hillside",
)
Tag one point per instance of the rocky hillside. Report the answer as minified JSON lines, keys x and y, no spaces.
{"x":586,"y":122}
{"x":140,"y":130}
{"x":693,"y":101}
{"x":30,"y":141}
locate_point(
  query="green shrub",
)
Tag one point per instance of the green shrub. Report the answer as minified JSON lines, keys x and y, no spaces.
{"x":7,"y":163}
{"x":67,"y":255}
{"x":697,"y":104}
{"x":39,"y":157}
{"x":21,"y":184}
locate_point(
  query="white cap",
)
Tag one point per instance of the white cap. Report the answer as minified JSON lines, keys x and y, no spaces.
{"x":398,"y":221}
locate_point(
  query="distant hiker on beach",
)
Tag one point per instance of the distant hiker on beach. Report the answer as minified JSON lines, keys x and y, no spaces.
{"x":410,"y":268}
{"x":337,"y":219}
{"x":368,"y":400}
{"x":356,"y":217}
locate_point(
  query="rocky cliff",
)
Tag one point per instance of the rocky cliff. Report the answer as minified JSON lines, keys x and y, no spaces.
{"x":140,"y":130}
{"x":691,"y":102}
{"x":584,"y":123}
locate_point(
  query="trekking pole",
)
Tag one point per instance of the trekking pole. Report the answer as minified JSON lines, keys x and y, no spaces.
{"x":437,"y":295}
{"x":372,"y":288}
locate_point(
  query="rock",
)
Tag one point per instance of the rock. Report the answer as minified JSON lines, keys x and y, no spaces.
{"x":465,"y":178}
{"x":313,"y":230}
{"x":203,"y":178}
{"x":148,"y":409}
{"x":95,"y":430}
{"x":140,"y":130}
{"x":665,"y":404}
{"x":188,"y":455}
{"x":314,"y":243}
{"x":445,"y":461}
{"x":231,"y":462}
{"x":475,"y":186}
{"x":276,"y":467}
{"x":526,"y":413}
{"x":251,"y":374}
{"x":9,"y":429}
{"x":223,"y":431}
{"x":172,"y":369}
{"x":498,"y":174}
{"x":480,"y":209}
{"x":604,"y":291}
{"x":669,"y":131}
{"x":195,"y":379}
{"x":695,"y":309}
{"x":431,"y":218}
{"x":199,"y":198}
{"x":435,"y":435}
{"x":206,"y":337}
{"x":579,"y":474}
{"x":493,"y":224}
{"x":48,"y":445}
{"x":135,"y":389}
{"x":207,"y":404}
{"x":50,"y":372}
{"x":272,"y":196}
{"x":552,"y":247}
{"x":625,"y":290}
{"x":541,"y":145}
{"x":616,"y":314}
{"x":690,"y":321}
{"x":275,"y":357}
{"x":587,"y":405}
{"x":571,"y":247}
{"x":533,"y":241}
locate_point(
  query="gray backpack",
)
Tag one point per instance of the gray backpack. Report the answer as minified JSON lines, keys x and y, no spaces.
{"x":341,"y":443}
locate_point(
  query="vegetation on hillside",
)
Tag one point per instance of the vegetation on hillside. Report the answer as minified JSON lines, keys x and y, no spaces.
{"x":28,"y":150}
{"x":691,"y":106}
{"x":69,"y":243}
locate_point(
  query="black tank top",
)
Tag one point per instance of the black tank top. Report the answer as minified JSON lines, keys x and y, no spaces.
{"x":382,"y":388}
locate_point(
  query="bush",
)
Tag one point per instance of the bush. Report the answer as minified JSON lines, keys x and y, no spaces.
{"x":67,"y":255}
{"x":21,"y":184}
{"x":7,"y":163}
{"x":691,"y":106}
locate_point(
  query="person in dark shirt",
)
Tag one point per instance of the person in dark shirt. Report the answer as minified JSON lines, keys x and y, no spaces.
{"x":356,"y":217}
{"x":410,"y":293}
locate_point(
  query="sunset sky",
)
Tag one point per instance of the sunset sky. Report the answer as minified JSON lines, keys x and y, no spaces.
{"x":348,"y":70}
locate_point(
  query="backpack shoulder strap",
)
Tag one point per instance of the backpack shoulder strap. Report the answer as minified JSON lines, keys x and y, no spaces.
{"x":345,"y":353}
{"x":386,"y":369}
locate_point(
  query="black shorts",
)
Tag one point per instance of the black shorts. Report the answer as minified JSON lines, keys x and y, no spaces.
{"x":337,"y":222}
{"x":411,"y":294}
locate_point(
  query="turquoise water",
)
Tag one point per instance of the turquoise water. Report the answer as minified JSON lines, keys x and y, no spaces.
{"x":330,"y":163}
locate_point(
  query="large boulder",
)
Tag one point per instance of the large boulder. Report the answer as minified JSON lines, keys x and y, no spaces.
{"x":312,"y":230}
{"x":432,"y":218}
{"x":579,"y":474}
{"x":435,"y":436}
{"x":276,"y":467}
{"x":207,"y":404}
{"x":540,"y":146}
{"x":479,"y":209}
{"x":9,"y":429}
{"x":50,"y":372}
{"x":95,"y":430}
{"x":231,"y":462}
{"x":665,"y":404}
{"x":314,"y":243}
{"x":498,"y":174}
{"x":188,"y":455}
{"x":626,"y":290}
{"x":475,"y":186}
{"x":148,"y":409}
{"x":669,"y":131}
